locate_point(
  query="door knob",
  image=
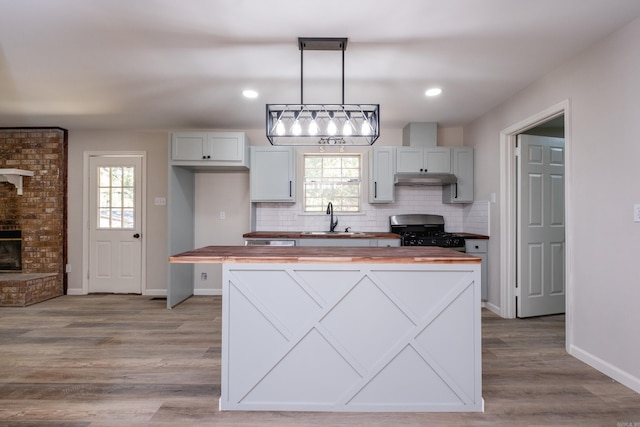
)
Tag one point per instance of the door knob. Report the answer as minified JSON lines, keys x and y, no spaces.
{"x":136,"y":236}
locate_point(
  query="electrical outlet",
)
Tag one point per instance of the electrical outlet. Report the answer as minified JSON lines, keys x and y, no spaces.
{"x":636,"y":212}
{"x":203,"y":276}
{"x":222,"y":215}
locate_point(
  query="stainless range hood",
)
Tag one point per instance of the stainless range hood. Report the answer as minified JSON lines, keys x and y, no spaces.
{"x":424,"y":178}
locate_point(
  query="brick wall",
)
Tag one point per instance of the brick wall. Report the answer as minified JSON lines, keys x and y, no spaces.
{"x":42,"y":209}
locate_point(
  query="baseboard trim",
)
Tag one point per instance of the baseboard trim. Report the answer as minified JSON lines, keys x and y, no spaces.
{"x":207,"y":292}
{"x":155,"y":292}
{"x":492,"y":308}
{"x":606,"y":368}
{"x":72,"y":291}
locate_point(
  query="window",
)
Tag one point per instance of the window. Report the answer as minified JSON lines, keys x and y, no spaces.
{"x":332,"y":178}
{"x":115,"y":186}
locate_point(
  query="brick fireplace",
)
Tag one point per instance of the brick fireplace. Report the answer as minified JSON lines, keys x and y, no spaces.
{"x":38,"y":216}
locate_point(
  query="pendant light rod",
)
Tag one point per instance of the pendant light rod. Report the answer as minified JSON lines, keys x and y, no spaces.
{"x":343,"y":75}
{"x":320,"y":43}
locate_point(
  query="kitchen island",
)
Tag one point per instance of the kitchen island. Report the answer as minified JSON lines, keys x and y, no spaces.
{"x":348,"y":328}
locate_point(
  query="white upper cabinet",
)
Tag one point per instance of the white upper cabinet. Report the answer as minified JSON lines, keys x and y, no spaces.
{"x":210,"y":149}
{"x":416,"y":159}
{"x":462,"y":168}
{"x":272,"y":177}
{"x":381,"y":171}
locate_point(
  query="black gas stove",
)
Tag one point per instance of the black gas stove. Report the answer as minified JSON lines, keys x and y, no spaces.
{"x":424,"y":230}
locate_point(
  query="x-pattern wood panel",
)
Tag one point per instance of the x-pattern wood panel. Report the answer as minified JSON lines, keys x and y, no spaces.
{"x":366,"y":325}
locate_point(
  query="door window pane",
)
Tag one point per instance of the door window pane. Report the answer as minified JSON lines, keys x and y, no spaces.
{"x":116,"y":201}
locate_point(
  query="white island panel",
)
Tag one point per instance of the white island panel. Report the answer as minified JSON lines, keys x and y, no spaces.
{"x":351,"y":337}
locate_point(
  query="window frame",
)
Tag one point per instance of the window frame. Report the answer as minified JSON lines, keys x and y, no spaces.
{"x":337,"y":201}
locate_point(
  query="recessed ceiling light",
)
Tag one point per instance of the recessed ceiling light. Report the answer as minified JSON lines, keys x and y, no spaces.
{"x":248,"y":93}
{"x":434,"y":91}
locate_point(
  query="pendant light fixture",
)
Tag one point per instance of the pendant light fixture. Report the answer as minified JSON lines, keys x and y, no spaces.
{"x":325,"y":124}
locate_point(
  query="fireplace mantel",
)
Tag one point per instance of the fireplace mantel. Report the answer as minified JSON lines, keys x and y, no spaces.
{"x":14,"y":176}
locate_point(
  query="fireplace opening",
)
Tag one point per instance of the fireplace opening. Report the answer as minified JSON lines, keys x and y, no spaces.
{"x":10,"y":250}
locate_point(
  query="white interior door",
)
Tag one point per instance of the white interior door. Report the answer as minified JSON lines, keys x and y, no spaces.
{"x":541,"y":234}
{"x":115,"y":229}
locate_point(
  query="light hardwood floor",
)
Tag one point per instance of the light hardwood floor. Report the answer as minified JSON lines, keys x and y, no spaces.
{"x":125,"y":360}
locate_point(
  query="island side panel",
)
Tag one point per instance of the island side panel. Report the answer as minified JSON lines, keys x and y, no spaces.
{"x":351,"y":337}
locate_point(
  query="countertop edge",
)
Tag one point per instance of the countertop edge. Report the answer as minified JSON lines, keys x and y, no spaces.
{"x":324,"y":255}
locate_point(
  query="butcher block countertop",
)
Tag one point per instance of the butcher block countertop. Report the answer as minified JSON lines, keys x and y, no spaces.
{"x":319,"y":235}
{"x":326,"y":255}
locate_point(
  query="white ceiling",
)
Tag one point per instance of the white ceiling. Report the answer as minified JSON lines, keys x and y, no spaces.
{"x":168,"y":64}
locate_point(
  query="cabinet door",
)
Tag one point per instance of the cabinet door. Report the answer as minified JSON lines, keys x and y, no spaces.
{"x":433,"y":160}
{"x":225,"y":146}
{"x":479,"y":248}
{"x":381,"y":170}
{"x":409,"y":159}
{"x":437,"y":160}
{"x":462,"y":167}
{"x":188,"y":145}
{"x":272,"y":174}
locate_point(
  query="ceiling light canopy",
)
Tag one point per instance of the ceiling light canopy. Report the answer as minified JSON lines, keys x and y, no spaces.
{"x":313,"y":124}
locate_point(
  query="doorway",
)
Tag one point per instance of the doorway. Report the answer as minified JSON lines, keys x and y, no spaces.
{"x":114,"y":209}
{"x":508,"y":225}
{"x":540,"y":220}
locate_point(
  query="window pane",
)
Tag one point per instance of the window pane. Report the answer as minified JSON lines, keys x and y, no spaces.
{"x":116,"y":217}
{"x":104,"y":220}
{"x":127,"y":177}
{"x":116,"y":197}
{"x":127,"y":197}
{"x":116,"y":177}
{"x":105,"y":198}
{"x":104,"y":174}
{"x":127,"y":218}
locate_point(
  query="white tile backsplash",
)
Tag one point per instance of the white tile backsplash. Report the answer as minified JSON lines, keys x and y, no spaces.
{"x":476,"y":218}
{"x":375,"y":217}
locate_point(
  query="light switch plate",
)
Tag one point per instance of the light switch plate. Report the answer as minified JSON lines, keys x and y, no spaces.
{"x":160,"y":201}
{"x":636,"y":212}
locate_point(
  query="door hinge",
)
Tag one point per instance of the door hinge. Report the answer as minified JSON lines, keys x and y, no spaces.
{"x":517,"y":291}
{"x":516,"y":152}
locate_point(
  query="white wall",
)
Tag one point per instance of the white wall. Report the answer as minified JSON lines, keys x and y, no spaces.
{"x":218,"y":193}
{"x":155,"y":145}
{"x":603,"y":90}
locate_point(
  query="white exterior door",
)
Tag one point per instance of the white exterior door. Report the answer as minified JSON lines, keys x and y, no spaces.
{"x":115,"y":229}
{"x":541,"y":236}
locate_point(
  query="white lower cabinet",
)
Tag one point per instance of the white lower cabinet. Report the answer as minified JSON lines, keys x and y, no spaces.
{"x":346,"y":242}
{"x":479,"y":248}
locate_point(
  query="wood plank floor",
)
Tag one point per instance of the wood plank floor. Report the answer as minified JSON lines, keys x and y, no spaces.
{"x":124,"y":360}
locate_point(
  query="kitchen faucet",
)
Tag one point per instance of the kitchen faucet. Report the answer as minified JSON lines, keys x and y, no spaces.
{"x":332,"y":225}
